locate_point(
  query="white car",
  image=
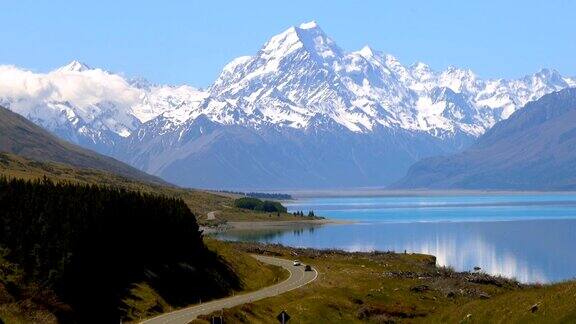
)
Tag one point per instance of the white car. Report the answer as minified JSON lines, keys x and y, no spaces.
{"x":296,"y":263}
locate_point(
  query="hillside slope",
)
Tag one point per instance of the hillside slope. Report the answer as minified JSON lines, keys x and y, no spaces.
{"x":532,"y":150}
{"x":21,"y":137}
{"x":88,"y":251}
{"x":200,"y":202}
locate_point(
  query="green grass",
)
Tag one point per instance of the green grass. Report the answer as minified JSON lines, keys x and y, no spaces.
{"x":555,"y":304}
{"x":14,"y":314}
{"x":25,"y":312}
{"x":19,"y":301}
{"x":389,"y":287}
{"x":254,"y":274}
{"x":144,"y":302}
{"x":361,"y":287}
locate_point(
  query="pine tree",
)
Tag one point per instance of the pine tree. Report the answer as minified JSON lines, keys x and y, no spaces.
{"x":89,"y":244}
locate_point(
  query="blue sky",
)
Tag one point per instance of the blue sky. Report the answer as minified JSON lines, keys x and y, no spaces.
{"x":190,"y":41}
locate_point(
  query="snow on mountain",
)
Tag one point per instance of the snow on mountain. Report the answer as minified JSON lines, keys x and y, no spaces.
{"x":531,"y":150}
{"x":298,"y":84}
{"x":73,"y":101}
{"x":302,"y":72}
{"x":74,"y":66}
{"x":176,"y":103}
{"x":89,"y":105}
{"x":297,"y":74}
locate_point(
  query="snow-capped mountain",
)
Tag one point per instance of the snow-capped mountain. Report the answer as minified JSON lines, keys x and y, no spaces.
{"x":531,"y":150}
{"x":88,"y":106}
{"x":301,"y":112}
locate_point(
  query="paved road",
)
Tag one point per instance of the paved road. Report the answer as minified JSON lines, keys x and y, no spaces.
{"x":298,"y":278}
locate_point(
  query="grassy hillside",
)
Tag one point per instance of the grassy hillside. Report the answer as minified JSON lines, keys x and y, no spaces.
{"x":200,"y":202}
{"x":547,"y":304}
{"x":78,"y":252}
{"x":22,"y":137}
{"x":85,"y":243}
{"x":145,"y":302}
{"x":388,"y":288}
{"x":24,"y":303}
{"x":29,"y":152}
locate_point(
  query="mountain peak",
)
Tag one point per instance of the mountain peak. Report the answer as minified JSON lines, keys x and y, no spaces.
{"x":74,"y":66}
{"x":309,"y":25}
{"x":392,"y":61}
{"x":548,"y":73}
{"x":420,"y":66}
{"x":421,"y":71}
{"x":308,"y":36}
{"x":366,"y":51}
{"x":460,"y":72}
{"x":140,"y":83}
{"x":550,"y":77}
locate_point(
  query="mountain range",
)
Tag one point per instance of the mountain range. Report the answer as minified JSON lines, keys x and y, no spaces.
{"x":534,"y":149}
{"x":21,"y":137}
{"x":300,"y":113}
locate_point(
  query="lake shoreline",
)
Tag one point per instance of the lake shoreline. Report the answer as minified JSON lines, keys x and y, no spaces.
{"x":403,"y":286}
{"x":264,"y":225}
{"x":256,"y":225}
{"x":378,"y":192}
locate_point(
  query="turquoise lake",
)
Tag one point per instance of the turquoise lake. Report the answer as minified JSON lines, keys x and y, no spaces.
{"x":531,"y":237}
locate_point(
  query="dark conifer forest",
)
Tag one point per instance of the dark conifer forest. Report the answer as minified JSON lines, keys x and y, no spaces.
{"x":89,"y":245}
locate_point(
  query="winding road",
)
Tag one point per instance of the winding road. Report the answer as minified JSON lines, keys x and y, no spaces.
{"x":298,"y":278}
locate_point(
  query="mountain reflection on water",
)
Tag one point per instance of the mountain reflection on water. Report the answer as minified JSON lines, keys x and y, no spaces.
{"x":535,"y":249}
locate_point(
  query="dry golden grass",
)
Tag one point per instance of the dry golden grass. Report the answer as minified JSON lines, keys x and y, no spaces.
{"x":389,"y":287}
{"x":200,"y":202}
{"x":144,"y":302}
{"x":546,"y":304}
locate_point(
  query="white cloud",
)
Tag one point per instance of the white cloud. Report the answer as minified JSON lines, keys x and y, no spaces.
{"x":62,"y":95}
